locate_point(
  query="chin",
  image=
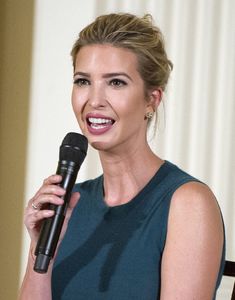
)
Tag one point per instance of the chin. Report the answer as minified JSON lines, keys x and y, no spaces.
{"x":99,"y":146}
{"x":98,"y":142}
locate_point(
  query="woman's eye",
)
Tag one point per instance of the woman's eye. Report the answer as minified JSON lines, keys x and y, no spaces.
{"x":81,"y":81}
{"x":117,"y":82}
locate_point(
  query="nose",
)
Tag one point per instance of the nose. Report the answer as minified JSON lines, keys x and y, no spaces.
{"x":96,"y":96}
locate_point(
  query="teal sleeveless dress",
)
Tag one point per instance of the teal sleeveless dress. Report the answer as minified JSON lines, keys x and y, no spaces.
{"x":114,"y":253}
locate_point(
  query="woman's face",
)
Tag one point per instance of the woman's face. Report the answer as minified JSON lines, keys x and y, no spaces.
{"x":108,"y":98}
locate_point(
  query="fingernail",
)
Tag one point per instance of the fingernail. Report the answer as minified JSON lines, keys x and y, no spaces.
{"x":49,"y":212}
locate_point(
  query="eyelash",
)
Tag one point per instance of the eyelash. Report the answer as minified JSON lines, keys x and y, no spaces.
{"x":81,"y":81}
{"x":116,"y":82}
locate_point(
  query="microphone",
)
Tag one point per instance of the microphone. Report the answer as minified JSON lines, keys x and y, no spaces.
{"x":73,"y":151}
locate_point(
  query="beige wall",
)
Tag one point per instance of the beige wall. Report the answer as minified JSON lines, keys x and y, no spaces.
{"x":16,"y":18}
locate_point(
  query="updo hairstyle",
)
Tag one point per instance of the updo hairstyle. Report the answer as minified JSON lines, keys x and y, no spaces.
{"x":139,"y":35}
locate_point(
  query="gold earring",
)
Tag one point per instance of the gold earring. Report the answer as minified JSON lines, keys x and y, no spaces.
{"x":149,"y":115}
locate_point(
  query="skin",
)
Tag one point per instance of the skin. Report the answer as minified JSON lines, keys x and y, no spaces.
{"x":121,"y":98}
{"x":193,"y":246}
{"x":195,"y":233}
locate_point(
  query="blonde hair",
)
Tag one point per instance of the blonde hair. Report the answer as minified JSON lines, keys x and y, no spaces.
{"x":139,"y":35}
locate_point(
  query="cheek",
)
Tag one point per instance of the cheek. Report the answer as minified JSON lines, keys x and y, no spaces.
{"x":133,"y":107}
{"x":77,"y":112}
{"x":77,"y":103}
{"x":73,"y":100}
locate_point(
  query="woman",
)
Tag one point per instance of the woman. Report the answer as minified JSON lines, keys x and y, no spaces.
{"x":144,"y":229}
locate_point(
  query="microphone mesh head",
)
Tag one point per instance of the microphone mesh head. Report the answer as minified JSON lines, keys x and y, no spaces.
{"x":73,"y":148}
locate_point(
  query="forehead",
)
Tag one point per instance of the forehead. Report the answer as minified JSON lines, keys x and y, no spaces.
{"x":106,"y":56}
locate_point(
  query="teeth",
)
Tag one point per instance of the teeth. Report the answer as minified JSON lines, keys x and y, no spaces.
{"x":99,"y":121}
{"x":95,"y":126}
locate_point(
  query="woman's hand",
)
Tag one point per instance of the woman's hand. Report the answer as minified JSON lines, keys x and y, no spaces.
{"x":35,"y":286}
{"x":37,"y":208}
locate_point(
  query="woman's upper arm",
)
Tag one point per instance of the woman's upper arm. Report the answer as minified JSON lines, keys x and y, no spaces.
{"x":194,"y":243}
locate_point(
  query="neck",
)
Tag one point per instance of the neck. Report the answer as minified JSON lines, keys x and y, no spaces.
{"x":125,"y":175}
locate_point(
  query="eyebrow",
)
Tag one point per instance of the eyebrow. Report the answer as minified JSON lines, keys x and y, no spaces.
{"x":106,"y":75}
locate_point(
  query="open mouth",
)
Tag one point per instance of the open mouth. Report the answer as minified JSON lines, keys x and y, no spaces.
{"x":99,"y":123}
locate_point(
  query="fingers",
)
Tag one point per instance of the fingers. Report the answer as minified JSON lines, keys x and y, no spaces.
{"x":53,"y":179}
{"x":31,"y":221}
{"x":37,"y":209}
{"x":50,"y":186}
{"x":48,"y":193}
{"x":38,"y":202}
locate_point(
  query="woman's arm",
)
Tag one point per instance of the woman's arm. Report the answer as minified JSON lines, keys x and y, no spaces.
{"x":194,"y":244}
{"x":37,"y":286}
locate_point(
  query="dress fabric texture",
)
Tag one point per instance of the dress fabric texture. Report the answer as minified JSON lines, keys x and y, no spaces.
{"x":114,"y":253}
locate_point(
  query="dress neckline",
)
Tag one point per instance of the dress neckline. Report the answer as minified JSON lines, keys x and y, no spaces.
{"x":124,"y":208}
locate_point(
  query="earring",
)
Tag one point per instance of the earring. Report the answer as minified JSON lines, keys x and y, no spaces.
{"x":149,"y":115}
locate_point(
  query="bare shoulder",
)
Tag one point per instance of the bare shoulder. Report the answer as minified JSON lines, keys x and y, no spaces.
{"x":195,"y":198}
{"x":194,"y":244}
{"x":194,"y":205}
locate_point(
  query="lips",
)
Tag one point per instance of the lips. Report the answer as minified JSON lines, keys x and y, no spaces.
{"x":99,"y":124}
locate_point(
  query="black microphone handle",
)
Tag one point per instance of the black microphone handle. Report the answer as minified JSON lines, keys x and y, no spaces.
{"x":51,"y":227}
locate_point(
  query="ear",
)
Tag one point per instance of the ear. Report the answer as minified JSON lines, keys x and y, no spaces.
{"x":155,"y":97}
